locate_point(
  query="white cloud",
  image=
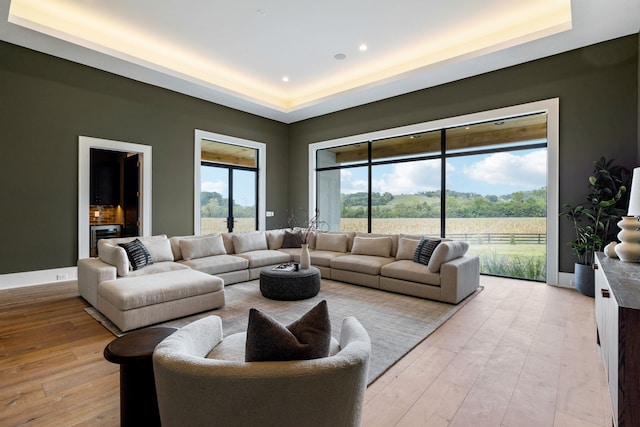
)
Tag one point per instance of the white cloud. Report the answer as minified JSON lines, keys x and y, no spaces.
{"x":211,"y":186}
{"x":410,"y":178}
{"x":350,"y":183}
{"x":527,"y":170}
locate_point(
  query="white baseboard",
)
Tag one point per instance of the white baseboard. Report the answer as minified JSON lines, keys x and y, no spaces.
{"x":40,"y":277}
{"x":566,"y":280}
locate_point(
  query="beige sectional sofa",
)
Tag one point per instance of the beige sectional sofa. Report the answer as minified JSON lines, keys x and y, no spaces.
{"x":188,"y":273}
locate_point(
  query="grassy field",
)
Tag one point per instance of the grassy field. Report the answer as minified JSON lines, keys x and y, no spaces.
{"x":454,"y":225}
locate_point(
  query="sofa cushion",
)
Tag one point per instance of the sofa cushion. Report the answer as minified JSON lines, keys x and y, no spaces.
{"x":406,"y":248}
{"x":410,"y":271}
{"x":174,"y":241}
{"x":336,"y":242}
{"x":159,"y":248}
{"x":447,"y":251}
{"x":360,"y":263}
{"x":227,"y":238}
{"x":424,"y":250}
{"x":292,"y":239}
{"x":375,"y":246}
{"x":218,"y":264}
{"x":129,"y":293}
{"x":265,"y":258}
{"x":158,"y":267}
{"x":322,"y":258}
{"x":138,"y":255}
{"x":247,"y":242}
{"x":307,"y":338}
{"x":393,"y":237}
{"x":274,"y":238}
{"x":202,"y":246}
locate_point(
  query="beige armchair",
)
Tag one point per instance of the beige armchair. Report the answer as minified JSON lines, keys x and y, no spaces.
{"x":196,"y":390}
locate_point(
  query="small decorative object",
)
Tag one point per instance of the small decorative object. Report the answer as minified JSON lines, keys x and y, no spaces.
{"x":610,"y":250}
{"x":629,"y":247}
{"x":305,"y":257}
{"x":305,"y":234}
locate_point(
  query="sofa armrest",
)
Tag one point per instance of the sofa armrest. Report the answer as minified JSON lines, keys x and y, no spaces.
{"x":92,"y":272}
{"x":459,"y":278}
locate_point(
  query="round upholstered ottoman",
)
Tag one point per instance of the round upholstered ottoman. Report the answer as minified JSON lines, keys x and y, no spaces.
{"x":289,"y":285}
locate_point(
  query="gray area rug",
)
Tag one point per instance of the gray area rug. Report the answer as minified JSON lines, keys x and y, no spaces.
{"x":396,"y":323}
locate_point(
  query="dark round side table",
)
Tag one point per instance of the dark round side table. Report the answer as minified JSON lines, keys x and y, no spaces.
{"x":133,"y":352}
{"x":289,"y":285}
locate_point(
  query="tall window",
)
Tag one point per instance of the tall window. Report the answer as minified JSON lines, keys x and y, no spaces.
{"x":485,"y":183}
{"x":229,"y":184}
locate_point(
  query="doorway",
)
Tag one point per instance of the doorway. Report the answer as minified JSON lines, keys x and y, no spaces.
{"x":114,"y":191}
{"x":114,"y":195}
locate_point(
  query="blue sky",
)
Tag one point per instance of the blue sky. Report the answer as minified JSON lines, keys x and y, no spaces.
{"x":496,"y":174}
{"x":216,"y":179}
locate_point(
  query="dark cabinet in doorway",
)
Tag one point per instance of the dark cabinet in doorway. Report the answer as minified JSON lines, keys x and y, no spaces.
{"x":105,"y":177}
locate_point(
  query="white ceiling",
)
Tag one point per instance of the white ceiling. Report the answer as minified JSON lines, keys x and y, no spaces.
{"x":236,"y":53}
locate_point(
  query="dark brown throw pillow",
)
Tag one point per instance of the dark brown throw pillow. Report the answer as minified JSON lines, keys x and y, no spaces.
{"x":306,"y":338}
{"x":292,"y":239}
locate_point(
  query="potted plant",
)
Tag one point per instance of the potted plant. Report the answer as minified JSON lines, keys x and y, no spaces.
{"x":593,"y":221}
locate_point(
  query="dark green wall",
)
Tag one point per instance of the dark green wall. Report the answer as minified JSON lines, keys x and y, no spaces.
{"x":46,"y":103}
{"x":598,"y":91}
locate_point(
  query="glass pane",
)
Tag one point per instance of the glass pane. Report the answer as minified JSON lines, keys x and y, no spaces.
{"x":406,"y":198}
{"x":342,"y":199}
{"x":228,"y":154}
{"x":497,"y":203}
{"x":343,"y":155}
{"x":407,"y":146}
{"x":214,"y":199}
{"x":244,"y":200}
{"x":502,"y":133}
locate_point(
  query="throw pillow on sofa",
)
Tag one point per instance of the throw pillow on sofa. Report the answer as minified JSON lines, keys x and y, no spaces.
{"x":251,"y":241}
{"x":445,"y":252}
{"x":334,"y":242}
{"x":137,"y":253}
{"x":307,"y":338}
{"x":159,"y":248}
{"x":424,"y":250}
{"x":406,"y":248}
{"x":375,"y":246}
{"x":292,"y":239}
{"x":201,"y":247}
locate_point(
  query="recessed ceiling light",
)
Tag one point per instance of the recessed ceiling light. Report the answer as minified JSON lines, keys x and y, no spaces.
{"x":285,"y":79}
{"x":340,"y":56}
{"x":363,"y":47}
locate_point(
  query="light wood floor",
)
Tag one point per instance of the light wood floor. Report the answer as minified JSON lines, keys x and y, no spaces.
{"x":519,"y":354}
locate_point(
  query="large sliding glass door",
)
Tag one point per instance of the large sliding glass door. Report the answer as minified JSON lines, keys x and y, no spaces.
{"x":485,"y":183}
